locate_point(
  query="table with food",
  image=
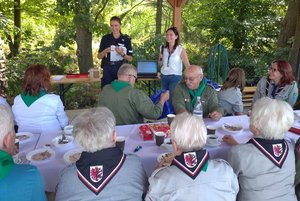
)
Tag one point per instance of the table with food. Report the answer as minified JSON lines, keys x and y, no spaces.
{"x":51,"y":152}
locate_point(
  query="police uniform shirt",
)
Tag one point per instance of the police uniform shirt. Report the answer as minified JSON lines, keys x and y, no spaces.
{"x":109,"y":40}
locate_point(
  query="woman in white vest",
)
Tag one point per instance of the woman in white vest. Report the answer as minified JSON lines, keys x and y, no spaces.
{"x":171,"y":56}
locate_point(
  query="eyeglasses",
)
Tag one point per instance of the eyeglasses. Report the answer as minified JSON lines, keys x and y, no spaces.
{"x":272,"y":69}
{"x":131,"y":75}
{"x":191,"y":79}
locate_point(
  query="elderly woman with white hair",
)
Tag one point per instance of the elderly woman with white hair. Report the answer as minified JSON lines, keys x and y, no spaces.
{"x":192,"y":175}
{"x":265,"y":166}
{"x":103,"y":171}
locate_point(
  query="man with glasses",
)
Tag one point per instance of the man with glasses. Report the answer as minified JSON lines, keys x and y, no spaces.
{"x":186,"y":93}
{"x":130,"y":105}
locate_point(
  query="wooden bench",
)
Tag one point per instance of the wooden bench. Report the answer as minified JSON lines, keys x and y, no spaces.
{"x":248,"y":95}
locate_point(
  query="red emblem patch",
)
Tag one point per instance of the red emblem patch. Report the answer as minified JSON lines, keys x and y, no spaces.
{"x":277,"y":150}
{"x":96,"y":173}
{"x":190,"y":159}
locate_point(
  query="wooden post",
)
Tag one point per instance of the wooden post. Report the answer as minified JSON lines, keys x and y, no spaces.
{"x":177,"y":5}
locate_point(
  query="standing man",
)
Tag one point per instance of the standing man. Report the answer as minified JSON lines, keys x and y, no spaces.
{"x":115,"y":49}
{"x":186,"y":93}
{"x":130,"y":105}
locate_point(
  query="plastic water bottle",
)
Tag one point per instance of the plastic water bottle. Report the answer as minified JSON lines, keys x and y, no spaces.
{"x":198,"y":111}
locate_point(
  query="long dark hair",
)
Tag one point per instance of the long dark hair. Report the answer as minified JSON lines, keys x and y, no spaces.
{"x":117,"y":19}
{"x":36,"y":77}
{"x":236,"y":78}
{"x":174,"y":29}
{"x":286,"y":71}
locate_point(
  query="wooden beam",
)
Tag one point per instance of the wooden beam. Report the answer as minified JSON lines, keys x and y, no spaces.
{"x":177,"y":17}
{"x":180,"y":3}
{"x":177,"y":5}
{"x":172,"y":3}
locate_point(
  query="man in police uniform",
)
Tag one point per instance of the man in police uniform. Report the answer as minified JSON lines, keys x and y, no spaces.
{"x":115,"y":49}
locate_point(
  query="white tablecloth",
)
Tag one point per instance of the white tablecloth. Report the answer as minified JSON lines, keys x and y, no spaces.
{"x":149,"y":152}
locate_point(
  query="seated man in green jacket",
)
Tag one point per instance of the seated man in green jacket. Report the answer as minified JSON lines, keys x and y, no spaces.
{"x":130,"y":105}
{"x":186,"y":93}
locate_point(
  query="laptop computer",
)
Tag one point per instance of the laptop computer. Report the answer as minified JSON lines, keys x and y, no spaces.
{"x":147,"y":68}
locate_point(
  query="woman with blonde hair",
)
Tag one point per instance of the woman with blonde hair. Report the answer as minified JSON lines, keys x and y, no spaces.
{"x":230,"y":96}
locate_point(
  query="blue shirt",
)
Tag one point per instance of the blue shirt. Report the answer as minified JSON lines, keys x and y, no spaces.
{"x":23,"y":182}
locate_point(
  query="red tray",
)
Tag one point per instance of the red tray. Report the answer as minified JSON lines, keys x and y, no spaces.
{"x":146,"y":131}
{"x":81,"y":75}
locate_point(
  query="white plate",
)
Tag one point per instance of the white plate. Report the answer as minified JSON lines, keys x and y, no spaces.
{"x":233,"y":125}
{"x":213,"y":145}
{"x":26,"y":135}
{"x":67,"y":155}
{"x":57,"y":77}
{"x":20,"y":158}
{"x":57,"y":139}
{"x":31,"y":154}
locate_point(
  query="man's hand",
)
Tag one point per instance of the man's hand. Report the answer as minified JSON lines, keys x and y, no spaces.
{"x":164,"y":97}
{"x":230,"y":140}
{"x":216,"y":116}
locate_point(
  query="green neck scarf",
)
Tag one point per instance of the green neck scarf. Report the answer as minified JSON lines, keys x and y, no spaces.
{"x":204,"y":168}
{"x":6,"y":163}
{"x":198,"y":92}
{"x":119,"y":85}
{"x":29,"y":99}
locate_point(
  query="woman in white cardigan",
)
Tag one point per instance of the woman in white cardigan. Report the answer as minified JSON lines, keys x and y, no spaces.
{"x":35,"y":109}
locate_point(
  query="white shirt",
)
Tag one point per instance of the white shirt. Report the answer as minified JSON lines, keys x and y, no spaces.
{"x":218,"y":182}
{"x":172,"y":65}
{"x":45,"y":114}
{"x":3,"y":102}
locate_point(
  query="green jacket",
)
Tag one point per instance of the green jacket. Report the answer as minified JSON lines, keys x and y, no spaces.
{"x":181,"y":100}
{"x":129,"y":105}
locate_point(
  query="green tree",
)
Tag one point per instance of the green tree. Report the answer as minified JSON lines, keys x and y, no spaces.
{"x":289,"y":38}
{"x":38,"y":20}
{"x":248,"y":29}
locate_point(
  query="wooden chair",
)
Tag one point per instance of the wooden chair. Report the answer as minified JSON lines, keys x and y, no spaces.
{"x":248,"y":95}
